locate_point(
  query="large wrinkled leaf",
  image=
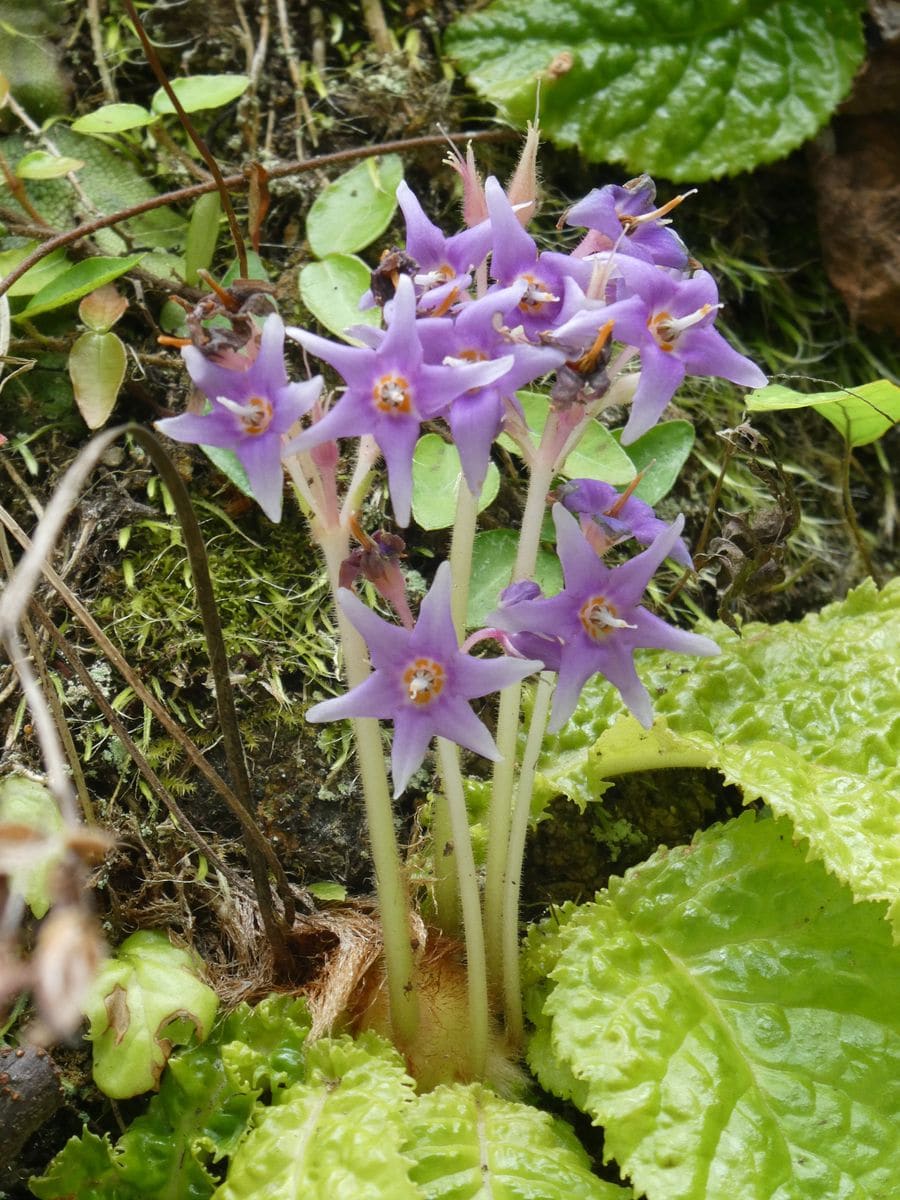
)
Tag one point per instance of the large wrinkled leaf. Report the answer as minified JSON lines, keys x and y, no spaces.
{"x":112,"y":181}
{"x":335,"y":1136}
{"x":467,"y":1143}
{"x":197,"y":1118}
{"x":724,"y":1012}
{"x":143,"y":1001}
{"x":86,"y":1168}
{"x":356,"y":208}
{"x":802,"y":715}
{"x":862,"y":414}
{"x":688,"y":90}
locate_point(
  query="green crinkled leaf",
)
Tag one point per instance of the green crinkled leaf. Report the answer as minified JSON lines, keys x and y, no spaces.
{"x":356,"y":208}
{"x":337,"y":1135}
{"x":85,"y":1168}
{"x":688,"y":90}
{"x":265,"y":1046}
{"x":467,"y":1143}
{"x":803,"y":716}
{"x":27,"y":803}
{"x":199,"y":1116}
{"x":143,"y":1001}
{"x":862,"y":415}
{"x":723,"y":1007}
{"x":437,"y":477}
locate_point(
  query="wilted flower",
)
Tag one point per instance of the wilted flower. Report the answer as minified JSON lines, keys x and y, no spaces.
{"x":422,"y":681}
{"x":621,"y":515}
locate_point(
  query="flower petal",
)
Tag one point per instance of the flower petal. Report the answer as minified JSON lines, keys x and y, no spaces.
{"x":455,"y":721}
{"x":661,"y":376}
{"x":473,"y":677}
{"x":388,"y":644}
{"x":261,"y":459}
{"x":412,"y":735}
{"x":628,"y":582}
{"x":374,"y":697}
{"x":435,"y":633}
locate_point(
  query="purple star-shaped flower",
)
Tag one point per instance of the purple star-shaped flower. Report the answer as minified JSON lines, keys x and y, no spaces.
{"x":391,"y":390}
{"x":624,"y":516}
{"x":422,"y":681}
{"x":475,"y":417}
{"x":251,"y":410}
{"x":554,"y":283}
{"x":672,"y":328}
{"x":445,"y":263}
{"x":622,"y":218}
{"x":600,"y":621}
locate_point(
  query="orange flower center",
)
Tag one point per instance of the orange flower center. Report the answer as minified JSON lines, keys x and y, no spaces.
{"x":667,"y":329}
{"x":424,"y":680}
{"x":599,"y":618}
{"x":392,"y":395}
{"x":257,"y":416}
{"x":537,"y":294}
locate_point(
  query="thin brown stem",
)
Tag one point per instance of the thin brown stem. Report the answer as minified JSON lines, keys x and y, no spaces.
{"x":233,"y":182}
{"x":189,"y":128}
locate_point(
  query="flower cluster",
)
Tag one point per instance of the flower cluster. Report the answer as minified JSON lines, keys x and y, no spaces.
{"x":469,"y":319}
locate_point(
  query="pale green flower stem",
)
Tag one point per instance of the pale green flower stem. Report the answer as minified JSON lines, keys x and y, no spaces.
{"x":476,"y":973}
{"x":500,"y":813}
{"x":390,"y":879}
{"x":512,"y":987}
{"x":446,"y":888}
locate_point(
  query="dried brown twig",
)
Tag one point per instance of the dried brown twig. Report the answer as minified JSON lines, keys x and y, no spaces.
{"x":241,"y":180}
